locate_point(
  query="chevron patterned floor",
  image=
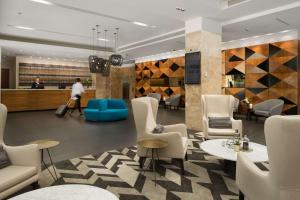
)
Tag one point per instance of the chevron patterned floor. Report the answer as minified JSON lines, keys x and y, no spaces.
{"x":118,"y":171}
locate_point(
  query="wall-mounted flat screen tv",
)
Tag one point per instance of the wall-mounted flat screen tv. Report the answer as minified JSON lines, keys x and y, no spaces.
{"x":193,"y":68}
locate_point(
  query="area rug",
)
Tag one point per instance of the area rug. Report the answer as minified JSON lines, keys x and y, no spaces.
{"x":118,"y":171}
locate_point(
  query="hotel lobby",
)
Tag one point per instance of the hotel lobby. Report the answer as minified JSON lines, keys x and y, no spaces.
{"x":149,"y":100}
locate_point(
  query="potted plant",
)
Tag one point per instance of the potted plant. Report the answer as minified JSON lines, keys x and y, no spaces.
{"x":237,"y":144}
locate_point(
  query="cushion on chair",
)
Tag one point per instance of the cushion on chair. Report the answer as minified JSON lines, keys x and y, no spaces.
{"x":102,"y":104}
{"x":262,"y":113}
{"x":4,"y":161}
{"x":220,"y":122}
{"x":221,"y":132}
{"x":12,"y":175}
{"x":158,"y":129}
{"x":116,"y":104}
{"x":93,"y":104}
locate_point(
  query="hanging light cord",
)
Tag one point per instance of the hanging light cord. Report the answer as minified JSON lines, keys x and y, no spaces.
{"x":105,"y":33}
{"x":117,"y":39}
{"x":93,"y":41}
{"x":97,"y":39}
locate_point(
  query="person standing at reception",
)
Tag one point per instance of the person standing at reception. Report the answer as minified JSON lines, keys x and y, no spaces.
{"x":37,"y":84}
{"x":77,"y":91}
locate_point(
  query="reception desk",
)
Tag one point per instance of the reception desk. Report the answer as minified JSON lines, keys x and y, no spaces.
{"x":44,"y":99}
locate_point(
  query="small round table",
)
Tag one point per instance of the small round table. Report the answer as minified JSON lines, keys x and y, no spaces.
{"x":153,"y":145}
{"x":217,"y":147}
{"x":68,"y":192}
{"x":46,"y":145}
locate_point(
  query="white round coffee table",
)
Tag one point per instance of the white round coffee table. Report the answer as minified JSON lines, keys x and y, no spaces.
{"x":68,"y":192}
{"x":217,"y":147}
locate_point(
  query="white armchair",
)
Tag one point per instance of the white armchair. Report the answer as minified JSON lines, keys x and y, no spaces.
{"x":145,"y":112}
{"x":25,"y":165}
{"x":282,"y":181}
{"x":219,"y":106}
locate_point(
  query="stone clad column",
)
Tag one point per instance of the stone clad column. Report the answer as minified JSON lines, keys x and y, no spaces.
{"x":103,"y":86}
{"x":202,"y":35}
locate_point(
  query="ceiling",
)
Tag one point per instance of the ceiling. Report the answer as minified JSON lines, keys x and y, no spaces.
{"x":69,"y":22}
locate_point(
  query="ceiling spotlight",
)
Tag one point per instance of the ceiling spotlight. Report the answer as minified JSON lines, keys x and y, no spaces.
{"x":285,"y":31}
{"x":103,"y":39}
{"x":180,"y":9}
{"x":24,"y":27}
{"x":140,"y":24}
{"x":42,"y":2}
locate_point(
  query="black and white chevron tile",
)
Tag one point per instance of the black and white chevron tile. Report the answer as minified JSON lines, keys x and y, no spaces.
{"x":118,"y":171}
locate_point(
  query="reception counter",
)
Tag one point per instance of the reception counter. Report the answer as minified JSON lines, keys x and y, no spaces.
{"x":44,"y":99}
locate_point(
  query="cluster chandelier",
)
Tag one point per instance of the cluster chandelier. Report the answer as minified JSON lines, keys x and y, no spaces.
{"x":101,"y":64}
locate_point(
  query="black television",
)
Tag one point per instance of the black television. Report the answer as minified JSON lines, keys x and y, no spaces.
{"x":193,"y":68}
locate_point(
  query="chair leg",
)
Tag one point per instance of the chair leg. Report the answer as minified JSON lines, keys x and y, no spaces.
{"x":142,"y":161}
{"x":241,"y":196}
{"x":186,"y":156}
{"x":35,"y":185}
{"x":181,"y":164}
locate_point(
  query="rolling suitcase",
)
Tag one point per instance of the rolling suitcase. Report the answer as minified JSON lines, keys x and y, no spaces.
{"x":63,"y":109}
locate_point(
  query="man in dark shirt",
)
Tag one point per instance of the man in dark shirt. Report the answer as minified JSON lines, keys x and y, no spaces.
{"x":37,"y":84}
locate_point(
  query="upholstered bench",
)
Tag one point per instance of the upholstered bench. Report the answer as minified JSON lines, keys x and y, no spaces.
{"x":106,"y":110}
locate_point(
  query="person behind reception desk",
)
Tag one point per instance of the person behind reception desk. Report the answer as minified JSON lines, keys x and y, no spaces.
{"x":77,"y":90}
{"x":37,"y":84}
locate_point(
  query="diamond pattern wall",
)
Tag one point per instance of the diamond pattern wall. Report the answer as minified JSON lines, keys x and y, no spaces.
{"x":271,"y":71}
{"x":161,"y":76}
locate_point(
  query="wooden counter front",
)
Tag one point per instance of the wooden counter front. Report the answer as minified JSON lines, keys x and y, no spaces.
{"x":46,"y":99}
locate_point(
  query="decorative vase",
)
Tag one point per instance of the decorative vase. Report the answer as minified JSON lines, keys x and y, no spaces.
{"x":237,"y":147}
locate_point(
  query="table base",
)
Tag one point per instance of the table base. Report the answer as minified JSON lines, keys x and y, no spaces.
{"x":229,"y":167}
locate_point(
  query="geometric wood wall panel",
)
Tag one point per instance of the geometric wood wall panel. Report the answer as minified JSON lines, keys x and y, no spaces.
{"x":159,"y":71}
{"x":271,"y":71}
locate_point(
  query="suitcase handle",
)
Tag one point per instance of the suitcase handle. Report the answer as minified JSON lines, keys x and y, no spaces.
{"x":69,"y":102}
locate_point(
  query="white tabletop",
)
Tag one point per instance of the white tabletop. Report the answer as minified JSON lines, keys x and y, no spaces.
{"x":68,"y":192}
{"x":217,"y":148}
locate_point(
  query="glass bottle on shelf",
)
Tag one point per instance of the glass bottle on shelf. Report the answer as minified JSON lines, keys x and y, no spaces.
{"x":245,"y":143}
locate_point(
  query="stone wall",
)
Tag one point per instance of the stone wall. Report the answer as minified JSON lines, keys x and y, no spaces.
{"x":209,"y":44}
{"x":119,"y":76}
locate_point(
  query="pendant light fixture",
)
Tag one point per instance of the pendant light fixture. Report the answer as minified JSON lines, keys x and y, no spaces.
{"x":100,"y":61}
{"x":106,"y":65}
{"x":93,"y":59}
{"x":116,"y":59}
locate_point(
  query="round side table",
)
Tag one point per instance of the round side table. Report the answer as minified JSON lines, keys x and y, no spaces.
{"x":68,"y":192}
{"x":46,"y":145}
{"x":154,"y":145}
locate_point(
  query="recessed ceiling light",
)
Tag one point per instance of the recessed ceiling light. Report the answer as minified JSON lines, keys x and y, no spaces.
{"x":180,"y":9}
{"x":285,"y":31}
{"x":139,"y":23}
{"x":102,"y":39}
{"x":270,"y":34}
{"x":43,"y":2}
{"x":24,"y":27}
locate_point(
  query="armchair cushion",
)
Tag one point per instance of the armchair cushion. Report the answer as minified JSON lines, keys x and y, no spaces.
{"x":4,"y":161}
{"x":222,"y":132}
{"x":13,"y":175}
{"x":262,"y":113}
{"x":158,"y":129}
{"x":220,"y":122}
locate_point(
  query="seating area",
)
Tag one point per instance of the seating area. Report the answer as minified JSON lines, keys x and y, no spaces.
{"x":149,"y":100}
